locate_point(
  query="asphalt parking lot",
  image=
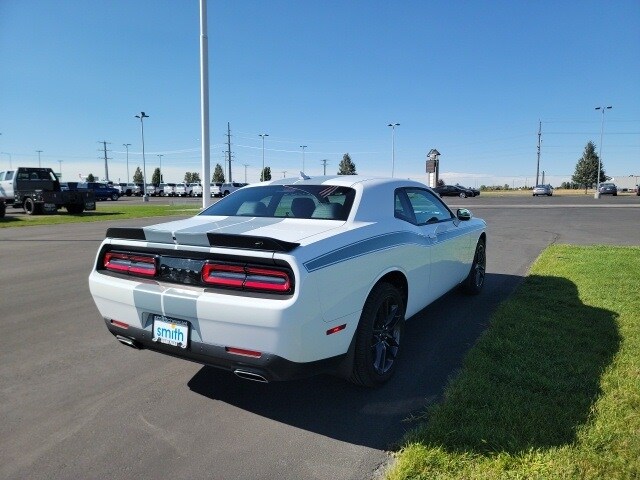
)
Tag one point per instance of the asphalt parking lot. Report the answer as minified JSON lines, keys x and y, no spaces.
{"x":77,"y":404}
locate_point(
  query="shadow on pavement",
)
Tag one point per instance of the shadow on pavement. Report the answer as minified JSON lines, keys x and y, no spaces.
{"x":434,"y":345}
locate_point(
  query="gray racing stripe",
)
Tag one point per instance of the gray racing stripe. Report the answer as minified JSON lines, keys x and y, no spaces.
{"x":370,"y":245}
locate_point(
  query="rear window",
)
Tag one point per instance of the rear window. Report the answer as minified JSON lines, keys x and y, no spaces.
{"x":324,"y":202}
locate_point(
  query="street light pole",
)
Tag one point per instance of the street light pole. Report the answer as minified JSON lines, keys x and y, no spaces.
{"x":303,"y":147}
{"x":127,"y":145}
{"x":145,"y":197}
{"x":160,"y":155}
{"x":39,"y":152}
{"x":393,"y":146}
{"x":245,"y":165}
{"x":597,"y":194}
{"x":60,"y":163}
{"x":262,"y":179}
{"x":324,"y":166}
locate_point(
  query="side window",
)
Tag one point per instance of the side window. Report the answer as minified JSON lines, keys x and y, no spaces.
{"x":426,"y":207}
{"x":1,"y":176}
{"x":402,"y":207}
{"x":9,"y":175}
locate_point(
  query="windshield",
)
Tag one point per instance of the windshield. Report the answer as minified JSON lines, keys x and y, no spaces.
{"x":287,"y":201}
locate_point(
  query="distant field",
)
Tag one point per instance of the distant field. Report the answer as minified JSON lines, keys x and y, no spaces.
{"x":557,"y":191}
{"x":111,"y":211}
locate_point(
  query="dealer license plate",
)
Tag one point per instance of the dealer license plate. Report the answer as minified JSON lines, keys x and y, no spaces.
{"x":170,"y":331}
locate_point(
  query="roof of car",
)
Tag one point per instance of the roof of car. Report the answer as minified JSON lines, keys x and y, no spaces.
{"x":340,"y":180}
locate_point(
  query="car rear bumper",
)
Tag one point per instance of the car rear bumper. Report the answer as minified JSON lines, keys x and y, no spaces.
{"x":265,"y":368}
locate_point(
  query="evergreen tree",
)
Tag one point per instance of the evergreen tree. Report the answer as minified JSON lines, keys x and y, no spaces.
{"x":91,"y":178}
{"x":155,"y":178}
{"x":137,"y":176}
{"x":195,"y":177}
{"x":266,"y":174}
{"x":188,"y":177}
{"x":586,"y":173}
{"x":441,"y":183}
{"x":347,"y":167}
{"x":218,"y":174}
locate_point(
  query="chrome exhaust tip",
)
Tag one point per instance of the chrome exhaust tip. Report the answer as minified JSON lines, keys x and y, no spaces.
{"x":128,"y":342}
{"x":254,"y":377}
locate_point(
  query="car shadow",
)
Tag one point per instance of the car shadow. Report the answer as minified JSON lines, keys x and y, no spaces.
{"x":434,"y":345}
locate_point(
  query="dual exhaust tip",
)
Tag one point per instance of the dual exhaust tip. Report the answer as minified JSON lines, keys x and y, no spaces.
{"x":247,"y":375}
{"x":244,"y":374}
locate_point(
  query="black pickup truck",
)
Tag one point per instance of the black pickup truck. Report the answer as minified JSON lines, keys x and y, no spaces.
{"x":37,"y":190}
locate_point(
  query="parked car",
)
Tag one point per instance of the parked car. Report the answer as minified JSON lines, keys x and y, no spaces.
{"x":454,"y":191}
{"x":216,"y":189}
{"x":196,"y":189}
{"x":125,"y":188}
{"x":183,"y":190}
{"x":228,"y":188}
{"x":167,"y":190}
{"x":101,"y":190}
{"x":38,"y":190}
{"x":290,"y":278}
{"x":608,"y":189}
{"x":543,"y":190}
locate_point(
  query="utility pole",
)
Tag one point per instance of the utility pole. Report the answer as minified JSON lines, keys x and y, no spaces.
{"x":160,"y":155}
{"x":324,"y":165}
{"x":229,"y":150}
{"x":127,"y":145}
{"x":245,"y":171}
{"x":539,"y":141}
{"x":106,"y":165}
{"x":39,"y":152}
{"x":303,"y":147}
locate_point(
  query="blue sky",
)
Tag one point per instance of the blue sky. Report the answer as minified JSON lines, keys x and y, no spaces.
{"x":469,"y":78}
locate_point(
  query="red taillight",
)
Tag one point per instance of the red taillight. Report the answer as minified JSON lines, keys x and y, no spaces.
{"x":119,"y":324}
{"x":223,"y":275}
{"x":238,"y":276}
{"x":269,"y":280}
{"x":337,"y":329}
{"x":130,"y":263}
{"x":243,"y":352}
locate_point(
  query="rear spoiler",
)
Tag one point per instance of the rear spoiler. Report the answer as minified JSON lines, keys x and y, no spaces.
{"x":224,"y":240}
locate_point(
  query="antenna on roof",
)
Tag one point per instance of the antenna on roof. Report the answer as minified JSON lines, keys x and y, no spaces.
{"x":304,"y":177}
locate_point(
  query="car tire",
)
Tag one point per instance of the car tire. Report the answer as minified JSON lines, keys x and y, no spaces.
{"x":463,"y":195}
{"x":29,"y":206}
{"x":474,"y":282}
{"x":114,"y":197}
{"x":378,"y":336}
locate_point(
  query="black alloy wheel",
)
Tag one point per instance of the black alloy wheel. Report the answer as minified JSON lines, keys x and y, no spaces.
{"x":114,"y":197}
{"x":463,"y":195}
{"x":475,"y":280}
{"x":378,"y":336}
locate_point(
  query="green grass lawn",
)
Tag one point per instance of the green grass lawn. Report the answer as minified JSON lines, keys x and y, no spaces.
{"x":552,"y":389}
{"x":112,"y":211}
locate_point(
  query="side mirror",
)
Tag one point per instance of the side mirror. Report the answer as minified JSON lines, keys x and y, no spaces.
{"x":463,"y":214}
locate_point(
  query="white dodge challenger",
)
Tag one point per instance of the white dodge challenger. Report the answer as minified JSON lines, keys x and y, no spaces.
{"x":290,"y":278}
